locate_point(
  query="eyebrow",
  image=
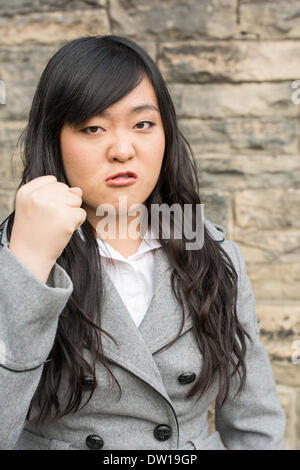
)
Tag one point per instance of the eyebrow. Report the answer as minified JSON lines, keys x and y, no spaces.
{"x":135,"y":110}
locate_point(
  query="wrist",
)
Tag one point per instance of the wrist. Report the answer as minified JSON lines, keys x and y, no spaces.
{"x":38,"y":265}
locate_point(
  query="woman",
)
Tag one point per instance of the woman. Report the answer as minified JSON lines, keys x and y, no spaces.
{"x":82,"y":365}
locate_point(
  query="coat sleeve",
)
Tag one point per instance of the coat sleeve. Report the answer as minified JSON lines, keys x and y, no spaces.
{"x":29,"y":312}
{"x":253,"y":419}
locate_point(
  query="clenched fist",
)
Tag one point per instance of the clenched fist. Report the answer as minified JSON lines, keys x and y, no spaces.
{"x":47,"y":213}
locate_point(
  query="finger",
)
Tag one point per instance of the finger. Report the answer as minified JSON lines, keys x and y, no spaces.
{"x":73,"y":200}
{"x":38,"y":182}
{"x":76,"y":190}
{"x":81,"y":216}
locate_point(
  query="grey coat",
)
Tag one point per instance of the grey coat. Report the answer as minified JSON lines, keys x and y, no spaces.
{"x":153,"y":394}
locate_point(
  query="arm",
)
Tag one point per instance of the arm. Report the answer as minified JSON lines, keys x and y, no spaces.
{"x":29,"y":312}
{"x":254,"y":419}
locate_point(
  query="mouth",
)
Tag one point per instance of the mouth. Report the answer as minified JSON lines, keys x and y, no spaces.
{"x":123,"y":178}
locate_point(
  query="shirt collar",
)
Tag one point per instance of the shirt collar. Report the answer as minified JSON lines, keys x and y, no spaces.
{"x":149,"y":242}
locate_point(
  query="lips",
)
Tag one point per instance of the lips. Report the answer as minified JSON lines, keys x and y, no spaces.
{"x":122,"y":178}
{"x":124,"y":174}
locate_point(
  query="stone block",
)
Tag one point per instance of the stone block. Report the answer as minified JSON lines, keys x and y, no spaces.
{"x":165,"y":19}
{"x":55,"y":27}
{"x":235,"y":173}
{"x":269,"y":19}
{"x":278,"y":282}
{"x":19,"y":7}
{"x":228,"y":61}
{"x":222,"y":100}
{"x":269,"y":135}
{"x":269,"y":246}
{"x":268,"y":209}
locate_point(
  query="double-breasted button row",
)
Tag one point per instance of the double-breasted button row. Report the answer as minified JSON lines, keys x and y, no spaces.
{"x":94,"y":442}
{"x":162,"y":432}
{"x":186,"y":378}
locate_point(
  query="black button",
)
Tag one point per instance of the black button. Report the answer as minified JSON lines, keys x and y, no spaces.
{"x":162,"y":432}
{"x":94,"y":442}
{"x":187,"y":378}
{"x":87,"y":383}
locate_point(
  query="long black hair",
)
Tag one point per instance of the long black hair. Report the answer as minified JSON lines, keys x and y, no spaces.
{"x":85,"y":76}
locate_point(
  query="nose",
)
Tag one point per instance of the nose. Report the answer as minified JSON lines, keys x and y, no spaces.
{"x":122,"y":149}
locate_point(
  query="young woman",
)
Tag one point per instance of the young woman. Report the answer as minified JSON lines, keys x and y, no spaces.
{"x":121,"y":343}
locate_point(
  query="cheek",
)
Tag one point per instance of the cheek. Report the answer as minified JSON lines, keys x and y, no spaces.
{"x":76,"y":159}
{"x":155,"y":154}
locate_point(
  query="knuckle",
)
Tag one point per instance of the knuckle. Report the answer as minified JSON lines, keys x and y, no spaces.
{"x":35,"y":198}
{"x":63,"y":185}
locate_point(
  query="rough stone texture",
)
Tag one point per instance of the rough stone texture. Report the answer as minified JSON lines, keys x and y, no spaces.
{"x":286,"y":372}
{"x":270,"y":246}
{"x":297,"y":420}
{"x":238,"y":172}
{"x":52,"y":27}
{"x":287,"y":399}
{"x":269,"y":18}
{"x":235,"y":61}
{"x":173,"y":19}
{"x":211,"y":418}
{"x":6,"y":203}
{"x":217,"y":207}
{"x":229,"y":67}
{"x":229,"y":100}
{"x":15,"y":7}
{"x":268,"y":209}
{"x":20,"y":68}
{"x":10,"y":163}
{"x":238,"y":135}
{"x":279,"y":328}
{"x":273,"y":281}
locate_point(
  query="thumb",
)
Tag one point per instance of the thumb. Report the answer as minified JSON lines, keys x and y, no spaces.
{"x":76,"y":190}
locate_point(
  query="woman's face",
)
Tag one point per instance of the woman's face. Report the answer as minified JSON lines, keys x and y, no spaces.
{"x":122,"y":140}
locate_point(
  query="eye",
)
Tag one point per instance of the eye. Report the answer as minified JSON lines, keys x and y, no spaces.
{"x":92,"y":129}
{"x":151,"y":124}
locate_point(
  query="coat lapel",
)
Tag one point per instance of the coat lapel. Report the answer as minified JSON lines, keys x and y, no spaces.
{"x":135,"y":346}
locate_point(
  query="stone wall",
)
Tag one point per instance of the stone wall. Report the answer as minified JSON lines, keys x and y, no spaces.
{"x":229,"y":66}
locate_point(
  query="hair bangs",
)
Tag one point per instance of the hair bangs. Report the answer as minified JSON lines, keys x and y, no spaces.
{"x":109,"y":78}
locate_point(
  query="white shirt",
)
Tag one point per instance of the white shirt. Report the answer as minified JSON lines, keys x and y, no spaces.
{"x":132,"y":276}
